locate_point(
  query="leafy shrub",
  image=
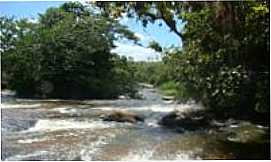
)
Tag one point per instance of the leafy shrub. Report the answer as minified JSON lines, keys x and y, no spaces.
{"x":169,"y":88}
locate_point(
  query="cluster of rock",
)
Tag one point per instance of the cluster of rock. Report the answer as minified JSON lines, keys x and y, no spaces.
{"x":188,"y":120}
{"x":181,"y":121}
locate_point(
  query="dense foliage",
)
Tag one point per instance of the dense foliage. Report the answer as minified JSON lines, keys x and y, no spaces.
{"x":149,"y":72}
{"x":226,"y":57}
{"x":65,"y":54}
{"x":224,"y":61}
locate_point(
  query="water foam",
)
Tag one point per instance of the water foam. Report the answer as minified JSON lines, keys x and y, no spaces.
{"x":139,"y":155}
{"x":87,"y":154}
{"x":6,"y":106}
{"x":22,"y":157}
{"x":28,"y":141}
{"x":64,"y":110}
{"x":53,"y":125}
{"x":155,"y":108}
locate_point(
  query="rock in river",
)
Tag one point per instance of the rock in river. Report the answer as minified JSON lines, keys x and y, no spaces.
{"x":168,"y":98}
{"x":121,"y":116}
{"x":189,"y":120}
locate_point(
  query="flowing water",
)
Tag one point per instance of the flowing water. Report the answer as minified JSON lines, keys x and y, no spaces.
{"x":73,"y":130}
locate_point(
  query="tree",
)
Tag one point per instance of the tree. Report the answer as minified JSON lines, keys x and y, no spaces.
{"x":154,"y":45}
{"x":8,"y":33}
{"x":67,"y":55}
{"x":11,"y":31}
{"x":147,"y":12}
{"x":226,"y":57}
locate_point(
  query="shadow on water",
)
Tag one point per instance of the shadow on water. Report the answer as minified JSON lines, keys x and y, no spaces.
{"x":248,"y":151}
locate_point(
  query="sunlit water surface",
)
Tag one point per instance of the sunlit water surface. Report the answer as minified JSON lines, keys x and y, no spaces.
{"x":73,"y":130}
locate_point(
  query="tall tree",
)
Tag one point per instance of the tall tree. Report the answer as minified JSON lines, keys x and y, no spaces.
{"x":68,"y":54}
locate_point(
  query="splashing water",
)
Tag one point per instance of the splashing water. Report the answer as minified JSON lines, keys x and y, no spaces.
{"x":73,"y":130}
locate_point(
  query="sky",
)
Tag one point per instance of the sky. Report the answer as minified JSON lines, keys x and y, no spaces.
{"x":160,"y":34}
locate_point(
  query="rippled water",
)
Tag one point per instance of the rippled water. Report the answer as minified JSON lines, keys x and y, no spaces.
{"x":73,"y":130}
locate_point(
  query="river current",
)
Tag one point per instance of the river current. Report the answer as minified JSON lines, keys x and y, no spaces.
{"x":73,"y":130}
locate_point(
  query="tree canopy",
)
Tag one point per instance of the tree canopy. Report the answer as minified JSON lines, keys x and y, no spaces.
{"x":66,"y":54}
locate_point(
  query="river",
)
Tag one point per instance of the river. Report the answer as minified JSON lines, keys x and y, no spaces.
{"x":73,"y":130}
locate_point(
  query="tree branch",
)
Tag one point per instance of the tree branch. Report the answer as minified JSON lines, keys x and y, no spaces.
{"x":171,"y":24}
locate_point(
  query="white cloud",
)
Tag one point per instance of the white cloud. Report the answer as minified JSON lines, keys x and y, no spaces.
{"x":140,"y":36}
{"x":145,"y":39}
{"x":137,"y":52}
{"x":33,"y":20}
{"x":123,"y":20}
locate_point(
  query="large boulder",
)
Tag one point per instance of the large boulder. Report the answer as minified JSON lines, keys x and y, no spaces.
{"x":188,"y":121}
{"x":121,"y":116}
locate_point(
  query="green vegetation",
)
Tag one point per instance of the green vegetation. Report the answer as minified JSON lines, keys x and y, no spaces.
{"x":149,"y":72}
{"x":66,"y":54}
{"x":154,"y":45}
{"x":169,"y":88}
{"x":224,"y":61}
{"x":227,"y":63}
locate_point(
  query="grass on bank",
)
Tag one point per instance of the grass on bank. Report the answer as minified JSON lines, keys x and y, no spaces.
{"x":175,"y":90}
{"x":169,"y":88}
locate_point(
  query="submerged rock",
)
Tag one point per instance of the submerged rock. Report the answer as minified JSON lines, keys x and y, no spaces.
{"x":246,"y":132}
{"x":189,"y":121}
{"x":122,"y":97}
{"x":17,"y":124}
{"x":77,"y":158}
{"x":120,"y":116}
{"x":168,"y":98}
